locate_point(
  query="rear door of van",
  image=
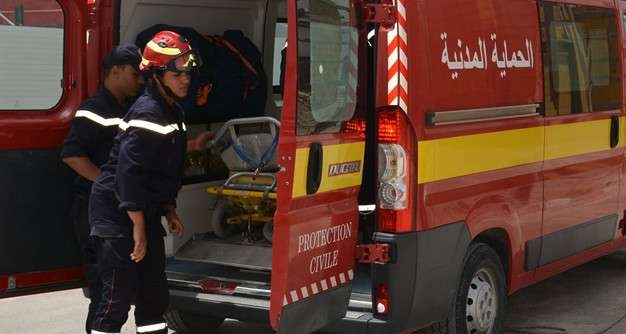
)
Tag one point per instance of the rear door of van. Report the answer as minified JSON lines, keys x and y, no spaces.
{"x":321,"y":153}
{"x":42,"y":82}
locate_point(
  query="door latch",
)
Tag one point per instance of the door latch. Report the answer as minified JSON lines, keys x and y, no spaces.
{"x":373,"y":253}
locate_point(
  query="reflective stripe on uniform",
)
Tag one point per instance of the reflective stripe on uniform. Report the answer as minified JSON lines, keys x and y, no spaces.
{"x":93,"y":331}
{"x":158,"y":128}
{"x":151,"y":328}
{"x":98,"y":119}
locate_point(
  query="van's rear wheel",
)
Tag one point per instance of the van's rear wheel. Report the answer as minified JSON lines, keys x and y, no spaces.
{"x":219,"y":219}
{"x":481,"y":297}
{"x":189,"y":323}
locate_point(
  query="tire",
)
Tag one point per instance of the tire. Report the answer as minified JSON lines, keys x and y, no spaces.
{"x":268,"y":231}
{"x":482,"y":283}
{"x":481,"y":298}
{"x":189,"y":323}
{"x":218,"y":220}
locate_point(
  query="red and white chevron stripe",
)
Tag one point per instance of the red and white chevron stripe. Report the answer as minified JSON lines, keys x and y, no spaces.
{"x":318,"y":287}
{"x":397,"y":61}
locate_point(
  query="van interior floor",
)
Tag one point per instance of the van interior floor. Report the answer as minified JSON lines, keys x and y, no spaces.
{"x":234,"y":252}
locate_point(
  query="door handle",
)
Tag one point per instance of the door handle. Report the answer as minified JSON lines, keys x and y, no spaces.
{"x":614,"y":131}
{"x":314,"y":168}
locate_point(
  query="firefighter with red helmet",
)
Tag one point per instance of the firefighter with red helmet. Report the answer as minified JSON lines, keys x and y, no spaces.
{"x":138,"y":185}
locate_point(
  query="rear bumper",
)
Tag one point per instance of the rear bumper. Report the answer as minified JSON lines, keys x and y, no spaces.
{"x":221,"y":306}
{"x":422,"y":276}
{"x":257,"y":310}
{"x":422,"y":279}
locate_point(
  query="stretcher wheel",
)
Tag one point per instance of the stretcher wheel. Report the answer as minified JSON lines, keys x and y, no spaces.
{"x":219,"y":219}
{"x":268,"y":231}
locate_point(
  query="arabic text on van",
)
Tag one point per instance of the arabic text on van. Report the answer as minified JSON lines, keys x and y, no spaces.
{"x":463,"y":57}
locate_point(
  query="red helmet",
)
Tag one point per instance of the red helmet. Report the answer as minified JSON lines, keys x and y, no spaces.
{"x":169,"y":51}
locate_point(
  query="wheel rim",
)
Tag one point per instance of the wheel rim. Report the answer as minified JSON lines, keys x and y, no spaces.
{"x":482,"y":303}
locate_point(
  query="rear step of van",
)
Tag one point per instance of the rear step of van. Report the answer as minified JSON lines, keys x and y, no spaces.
{"x":241,"y":285}
{"x":233,"y":253}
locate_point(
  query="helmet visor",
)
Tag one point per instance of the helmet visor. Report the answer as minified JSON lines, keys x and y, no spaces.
{"x":186,"y":62}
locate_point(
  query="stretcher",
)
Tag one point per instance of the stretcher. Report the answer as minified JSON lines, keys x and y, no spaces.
{"x":247,"y":200}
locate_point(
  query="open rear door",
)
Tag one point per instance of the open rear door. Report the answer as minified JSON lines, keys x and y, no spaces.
{"x":321,"y":153}
{"x":43,"y":82}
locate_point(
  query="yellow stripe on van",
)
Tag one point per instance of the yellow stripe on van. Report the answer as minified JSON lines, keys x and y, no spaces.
{"x":446,"y":158}
{"x":567,"y":140}
{"x":441,"y":159}
{"x":332,"y":155}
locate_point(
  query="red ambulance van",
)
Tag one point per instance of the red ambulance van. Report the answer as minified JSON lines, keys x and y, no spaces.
{"x":434,"y":156}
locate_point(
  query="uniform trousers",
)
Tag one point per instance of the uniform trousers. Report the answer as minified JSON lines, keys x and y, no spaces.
{"x":124,"y":280}
{"x":88,"y":252}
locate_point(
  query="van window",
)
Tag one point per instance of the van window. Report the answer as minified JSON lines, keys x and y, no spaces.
{"x":31,"y":65}
{"x":280,"y":40}
{"x":581,"y":59}
{"x":327,"y":66}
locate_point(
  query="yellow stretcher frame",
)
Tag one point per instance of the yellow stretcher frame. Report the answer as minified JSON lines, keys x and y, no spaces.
{"x":251,"y":197}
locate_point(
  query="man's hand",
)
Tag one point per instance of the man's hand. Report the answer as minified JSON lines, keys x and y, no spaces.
{"x":139,"y":236}
{"x":199,"y":143}
{"x":173,"y":222}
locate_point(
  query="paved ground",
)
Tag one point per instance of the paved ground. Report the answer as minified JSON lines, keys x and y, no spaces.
{"x":64,"y":312}
{"x":587,"y":300}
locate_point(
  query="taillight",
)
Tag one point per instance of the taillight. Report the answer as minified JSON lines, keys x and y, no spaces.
{"x":386,"y":220}
{"x":381,"y":299}
{"x":396,"y":165}
{"x":392,"y":176}
{"x":389,"y":122}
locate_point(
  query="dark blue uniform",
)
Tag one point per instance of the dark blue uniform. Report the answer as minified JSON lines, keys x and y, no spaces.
{"x":91,"y":136}
{"x":144,"y":174}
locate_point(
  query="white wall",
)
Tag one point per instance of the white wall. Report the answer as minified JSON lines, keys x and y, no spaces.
{"x":209,"y":17}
